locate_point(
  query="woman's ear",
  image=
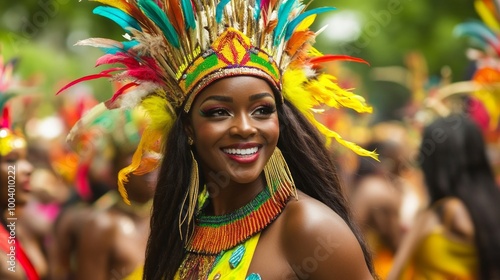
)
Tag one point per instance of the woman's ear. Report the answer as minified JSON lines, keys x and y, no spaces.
{"x":188,"y":128}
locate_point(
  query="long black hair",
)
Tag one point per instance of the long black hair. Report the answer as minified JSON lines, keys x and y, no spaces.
{"x":308,"y":160}
{"x":455,"y":164}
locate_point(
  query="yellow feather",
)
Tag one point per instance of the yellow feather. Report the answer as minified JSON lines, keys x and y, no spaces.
{"x":486,"y":15}
{"x":148,"y":139}
{"x":157,"y":109}
{"x":120,"y":4}
{"x":307,"y":94}
{"x":306,"y":23}
{"x":161,"y":120}
{"x":491,"y":101}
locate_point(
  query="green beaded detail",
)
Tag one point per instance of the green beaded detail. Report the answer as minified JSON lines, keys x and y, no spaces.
{"x":248,"y":209}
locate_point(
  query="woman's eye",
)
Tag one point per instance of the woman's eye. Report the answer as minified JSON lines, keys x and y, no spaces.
{"x":11,"y":159}
{"x":218,"y":112}
{"x":265,"y":110}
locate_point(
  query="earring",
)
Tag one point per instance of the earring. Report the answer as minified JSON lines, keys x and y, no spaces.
{"x":191,"y":197}
{"x":190,"y":141}
{"x":278,"y":175}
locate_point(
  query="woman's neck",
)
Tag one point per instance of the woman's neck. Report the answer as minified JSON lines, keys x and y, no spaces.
{"x":232,"y":196}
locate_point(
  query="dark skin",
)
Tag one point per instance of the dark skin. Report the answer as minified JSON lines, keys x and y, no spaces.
{"x":113,"y":246}
{"x":376,"y":206}
{"x":115,"y":238}
{"x":455,"y":219}
{"x":245,"y":117}
{"x":31,"y":245}
{"x":108,"y":240}
{"x":67,"y":232}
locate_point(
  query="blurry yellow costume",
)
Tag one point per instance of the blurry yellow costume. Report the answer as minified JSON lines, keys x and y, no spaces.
{"x":439,"y":258}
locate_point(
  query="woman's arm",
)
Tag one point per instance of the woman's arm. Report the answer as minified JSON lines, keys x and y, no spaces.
{"x":410,"y":241}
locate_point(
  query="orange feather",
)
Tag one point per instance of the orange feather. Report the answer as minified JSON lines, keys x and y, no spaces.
{"x":297,"y":41}
{"x":174,"y":13}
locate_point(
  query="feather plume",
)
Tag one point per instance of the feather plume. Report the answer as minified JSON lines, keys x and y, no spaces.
{"x":119,"y":4}
{"x":488,"y":16}
{"x":298,"y":40}
{"x":86,"y":78}
{"x":283,"y":16}
{"x":220,"y":10}
{"x":174,"y":13}
{"x":257,"y":10}
{"x":480,"y":33}
{"x":306,"y":94}
{"x":84,"y":122}
{"x":122,"y":90}
{"x":156,"y":14}
{"x":121,"y":18}
{"x":161,"y":120}
{"x":330,"y":58}
{"x":140,"y":92}
{"x":108,"y":46}
{"x":187,"y":8}
{"x":296,"y":21}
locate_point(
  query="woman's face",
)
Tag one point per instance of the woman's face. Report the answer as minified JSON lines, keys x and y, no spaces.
{"x":235,"y":128}
{"x":15,"y":172}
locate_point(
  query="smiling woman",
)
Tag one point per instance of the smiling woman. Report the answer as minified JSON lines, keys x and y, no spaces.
{"x":21,"y":256}
{"x":246,"y":188}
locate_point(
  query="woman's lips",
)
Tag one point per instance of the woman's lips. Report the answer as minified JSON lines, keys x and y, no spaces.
{"x":25,"y":186}
{"x":243,"y":155}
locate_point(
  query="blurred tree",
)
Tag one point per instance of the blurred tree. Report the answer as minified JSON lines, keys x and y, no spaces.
{"x":386,"y":31}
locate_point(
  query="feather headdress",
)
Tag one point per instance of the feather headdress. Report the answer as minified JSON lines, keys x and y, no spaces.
{"x":484,"y":88}
{"x":9,"y":139}
{"x":175,"y":48}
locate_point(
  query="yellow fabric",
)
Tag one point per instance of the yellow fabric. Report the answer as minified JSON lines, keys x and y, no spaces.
{"x":223,"y":268}
{"x":382,"y":256}
{"x":439,"y":258}
{"x":136,"y":274}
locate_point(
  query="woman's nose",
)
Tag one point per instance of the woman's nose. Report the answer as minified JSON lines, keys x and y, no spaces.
{"x":243,"y":126}
{"x":25,"y":167}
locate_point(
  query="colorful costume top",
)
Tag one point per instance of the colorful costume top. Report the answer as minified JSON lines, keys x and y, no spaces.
{"x":440,"y":258}
{"x":225,"y":244}
{"x":14,"y":250}
{"x":234,"y":263}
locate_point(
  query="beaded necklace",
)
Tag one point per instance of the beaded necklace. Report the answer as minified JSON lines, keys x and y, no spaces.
{"x":213,"y":235}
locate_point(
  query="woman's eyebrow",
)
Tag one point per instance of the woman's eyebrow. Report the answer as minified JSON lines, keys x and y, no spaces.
{"x":259,"y":96}
{"x":219,"y":98}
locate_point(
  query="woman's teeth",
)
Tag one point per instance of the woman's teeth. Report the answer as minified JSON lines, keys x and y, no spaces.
{"x":242,"y":152}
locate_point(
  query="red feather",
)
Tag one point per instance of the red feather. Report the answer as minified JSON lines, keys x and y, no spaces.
{"x":144,"y":73}
{"x":86,"y":78}
{"x":330,"y":57}
{"x":103,"y":74}
{"x":120,"y":91}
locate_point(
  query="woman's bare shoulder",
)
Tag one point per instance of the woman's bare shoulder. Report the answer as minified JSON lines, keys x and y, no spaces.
{"x":456,"y":218}
{"x":318,"y":243}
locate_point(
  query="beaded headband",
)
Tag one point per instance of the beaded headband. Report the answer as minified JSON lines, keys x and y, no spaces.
{"x":175,"y":48}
